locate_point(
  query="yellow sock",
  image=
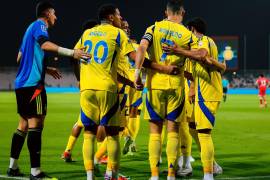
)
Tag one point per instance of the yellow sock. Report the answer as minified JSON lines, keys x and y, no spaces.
{"x":88,"y":151}
{"x":132,"y":127}
{"x":171,"y":150}
{"x":71,"y":143}
{"x":207,"y":152}
{"x":154,"y":150}
{"x":194,"y":134}
{"x":185,"y":140}
{"x":102,"y":149}
{"x":113,"y":148}
{"x":137,"y":125}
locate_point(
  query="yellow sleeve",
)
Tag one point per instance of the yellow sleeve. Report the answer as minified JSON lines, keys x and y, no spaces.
{"x":125,"y":43}
{"x":149,"y":33}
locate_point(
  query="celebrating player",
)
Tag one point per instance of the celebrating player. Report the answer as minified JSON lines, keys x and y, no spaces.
{"x":165,"y":96}
{"x":29,"y":87}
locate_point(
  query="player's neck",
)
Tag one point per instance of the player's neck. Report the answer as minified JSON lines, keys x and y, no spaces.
{"x":198,"y":35}
{"x":44,"y":20}
{"x":105,"y":22}
{"x":175,"y":18}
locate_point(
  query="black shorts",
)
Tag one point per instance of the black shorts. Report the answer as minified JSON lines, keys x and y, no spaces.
{"x":31,"y":101}
{"x":225,"y":89}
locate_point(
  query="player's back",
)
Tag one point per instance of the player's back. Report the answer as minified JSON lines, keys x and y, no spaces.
{"x":166,"y":33}
{"x":103,"y":43}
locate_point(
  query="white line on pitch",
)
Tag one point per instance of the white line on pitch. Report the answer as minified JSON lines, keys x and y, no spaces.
{"x":235,"y":178}
{"x":7,"y":177}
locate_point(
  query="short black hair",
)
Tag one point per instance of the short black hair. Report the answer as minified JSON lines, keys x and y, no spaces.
{"x":88,"y":24}
{"x":261,"y":75}
{"x":41,"y":7}
{"x":198,"y":23}
{"x":106,"y":10}
{"x":174,"y":5}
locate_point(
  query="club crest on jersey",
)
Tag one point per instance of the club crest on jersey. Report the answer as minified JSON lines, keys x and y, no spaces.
{"x":200,"y":43}
{"x":43,"y":28}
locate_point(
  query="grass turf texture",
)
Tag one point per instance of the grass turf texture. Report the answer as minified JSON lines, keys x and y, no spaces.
{"x":241,"y":138}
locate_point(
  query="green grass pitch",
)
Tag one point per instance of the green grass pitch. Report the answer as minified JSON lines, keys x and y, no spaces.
{"x":241,"y":138}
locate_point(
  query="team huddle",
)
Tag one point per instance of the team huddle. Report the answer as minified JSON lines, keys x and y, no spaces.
{"x":183,"y":90}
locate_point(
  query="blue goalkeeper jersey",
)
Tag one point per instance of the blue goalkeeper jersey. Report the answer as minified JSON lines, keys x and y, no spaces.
{"x":32,"y":63}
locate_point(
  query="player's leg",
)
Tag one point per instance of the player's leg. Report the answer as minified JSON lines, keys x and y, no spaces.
{"x":265,"y":101}
{"x":17,"y":142}
{"x":134,"y":117}
{"x":175,"y":114}
{"x":154,"y":112}
{"x":109,"y":108}
{"x":89,"y":117}
{"x":75,"y":133}
{"x":34,"y":144}
{"x":205,"y":119}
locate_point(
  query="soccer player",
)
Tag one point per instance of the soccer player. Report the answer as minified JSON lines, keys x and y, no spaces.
{"x":262,"y":83}
{"x":77,"y":127}
{"x":225,"y":86}
{"x":165,"y":96}
{"x":98,"y":83}
{"x":29,"y":88}
{"x":208,"y":93}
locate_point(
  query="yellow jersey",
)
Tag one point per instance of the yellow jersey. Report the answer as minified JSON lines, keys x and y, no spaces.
{"x":105,"y":42}
{"x":167,"y":32}
{"x":188,"y":68}
{"x":208,"y":82}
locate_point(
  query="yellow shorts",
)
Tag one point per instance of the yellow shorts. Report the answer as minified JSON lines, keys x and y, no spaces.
{"x":205,"y":113}
{"x":99,"y":108}
{"x":135,"y":97}
{"x":165,"y":104}
{"x":79,"y":122}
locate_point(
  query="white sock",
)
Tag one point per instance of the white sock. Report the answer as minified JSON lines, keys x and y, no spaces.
{"x":170,"y":178}
{"x":109,"y":173}
{"x":154,"y":178}
{"x":13,"y":163}
{"x":35,"y":171}
{"x":90,"y":175}
{"x":208,"y":176}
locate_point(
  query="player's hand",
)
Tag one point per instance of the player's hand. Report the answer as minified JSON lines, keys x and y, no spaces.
{"x":169,"y":49}
{"x":79,"y":54}
{"x":171,"y":69}
{"x":138,"y":84}
{"x":54,"y":72}
{"x":207,"y":60}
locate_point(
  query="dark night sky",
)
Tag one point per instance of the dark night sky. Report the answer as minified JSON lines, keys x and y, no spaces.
{"x":230,"y":17}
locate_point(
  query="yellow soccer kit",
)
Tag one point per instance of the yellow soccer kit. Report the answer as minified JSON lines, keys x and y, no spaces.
{"x":162,"y":85}
{"x":98,"y":77}
{"x":208,"y":87}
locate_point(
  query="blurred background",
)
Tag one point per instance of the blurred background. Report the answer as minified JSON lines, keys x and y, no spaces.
{"x":240,"y":29}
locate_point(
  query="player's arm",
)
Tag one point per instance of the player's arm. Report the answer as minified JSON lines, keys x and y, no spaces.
{"x":165,"y":69}
{"x":54,"y":72}
{"x":75,"y":53}
{"x":191,"y":94}
{"x":214,"y":63}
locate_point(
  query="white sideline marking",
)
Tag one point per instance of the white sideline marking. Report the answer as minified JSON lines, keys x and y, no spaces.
{"x":7,"y":177}
{"x":235,"y":178}
{"x":225,"y":178}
